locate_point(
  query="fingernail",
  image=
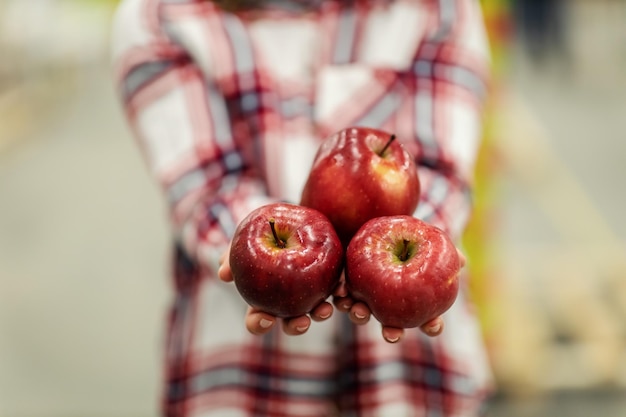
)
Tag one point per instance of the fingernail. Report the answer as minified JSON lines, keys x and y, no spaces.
{"x":435,"y":328}
{"x":392,"y":340}
{"x":302,"y":328}
{"x":265,"y":323}
{"x":360,"y":315}
{"x":324,"y":316}
{"x":346,"y":306}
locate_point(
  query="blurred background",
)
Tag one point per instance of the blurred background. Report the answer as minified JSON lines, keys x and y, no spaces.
{"x":83,"y":238}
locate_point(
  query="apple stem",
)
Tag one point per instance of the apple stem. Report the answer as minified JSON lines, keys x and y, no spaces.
{"x":391,"y":139}
{"x":405,"y":250}
{"x":279,"y":242}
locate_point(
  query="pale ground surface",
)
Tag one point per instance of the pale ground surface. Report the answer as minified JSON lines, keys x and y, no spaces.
{"x":83,"y":265}
{"x":83,"y":243}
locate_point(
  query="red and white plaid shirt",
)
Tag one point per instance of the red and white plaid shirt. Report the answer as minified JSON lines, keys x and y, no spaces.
{"x":228,"y":110}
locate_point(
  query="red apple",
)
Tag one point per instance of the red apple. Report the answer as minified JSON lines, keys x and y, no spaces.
{"x":285,"y":259}
{"x":359,"y":174}
{"x":404,"y":269}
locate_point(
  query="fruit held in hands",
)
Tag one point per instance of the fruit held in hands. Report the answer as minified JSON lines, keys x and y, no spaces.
{"x":285,"y":259}
{"x":359,"y":174}
{"x":404,"y":269}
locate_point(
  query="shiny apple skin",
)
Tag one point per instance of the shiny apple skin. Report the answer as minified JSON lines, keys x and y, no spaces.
{"x":289,"y":281}
{"x":351,"y":184}
{"x":402,"y":294}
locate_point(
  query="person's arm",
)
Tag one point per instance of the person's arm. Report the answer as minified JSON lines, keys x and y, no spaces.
{"x":180,"y":119}
{"x":448,"y":84}
{"x":445,"y":88}
{"x":182,"y":126}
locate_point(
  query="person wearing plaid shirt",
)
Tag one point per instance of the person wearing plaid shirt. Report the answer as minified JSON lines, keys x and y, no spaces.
{"x":228,"y":101}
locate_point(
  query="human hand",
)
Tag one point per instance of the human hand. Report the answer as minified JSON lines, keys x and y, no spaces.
{"x":360,"y":313}
{"x":259,"y":322}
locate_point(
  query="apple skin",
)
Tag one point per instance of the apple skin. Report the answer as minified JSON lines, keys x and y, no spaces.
{"x":409,"y":293}
{"x":285,"y":281}
{"x":351,"y":183}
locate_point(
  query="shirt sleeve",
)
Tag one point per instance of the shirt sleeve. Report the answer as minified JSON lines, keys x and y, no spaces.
{"x":447,"y":84}
{"x":181,"y":122}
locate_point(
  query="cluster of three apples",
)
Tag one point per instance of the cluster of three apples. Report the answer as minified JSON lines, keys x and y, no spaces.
{"x":355,"y":213}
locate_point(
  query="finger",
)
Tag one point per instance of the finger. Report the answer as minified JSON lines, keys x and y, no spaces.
{"x":433,"y":327}
{"x":322,"y":312}
{"x":343,"y":304}
{"x":462,"y":258}
{"x":258,"y":322}
{"x":342,"y":289}
{"x":224,"y":272}
{"x":296,"y":325}
{"x":392,"y":334}
{"x":360,"y":313}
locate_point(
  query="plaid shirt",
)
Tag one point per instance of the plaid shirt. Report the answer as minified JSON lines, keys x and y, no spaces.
{"x":224,"y":129}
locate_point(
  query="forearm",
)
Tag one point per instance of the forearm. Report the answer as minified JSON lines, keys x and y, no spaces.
{"x":204,"y":226}
{"x":445,"y":201}
{"x":182,"y":124}
{"x":449,"y":89}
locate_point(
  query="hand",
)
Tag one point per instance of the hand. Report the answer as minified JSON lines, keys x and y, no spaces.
{"x":360,"y":313}
{"x":258,"y":322}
